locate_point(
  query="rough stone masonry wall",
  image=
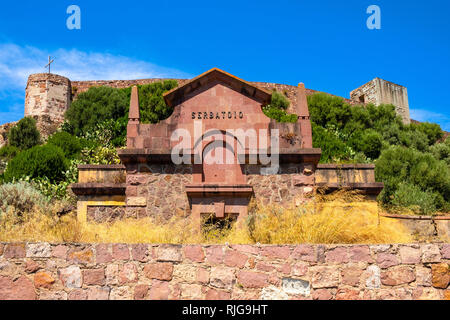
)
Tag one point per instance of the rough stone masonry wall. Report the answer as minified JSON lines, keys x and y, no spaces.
{"x":379,"y":91}
{"x":47,"y":94}
{"x":289,"y":186}
{"x":140,"y":271}
{"x":158,"y":190}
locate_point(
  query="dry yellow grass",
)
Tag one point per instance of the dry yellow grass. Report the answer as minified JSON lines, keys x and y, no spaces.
{"x":339,"y":218}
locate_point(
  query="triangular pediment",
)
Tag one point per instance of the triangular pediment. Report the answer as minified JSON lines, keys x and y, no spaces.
{"x":179,"y":94}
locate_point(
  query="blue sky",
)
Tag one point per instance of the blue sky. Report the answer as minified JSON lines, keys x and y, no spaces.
{"x":324,"y":44}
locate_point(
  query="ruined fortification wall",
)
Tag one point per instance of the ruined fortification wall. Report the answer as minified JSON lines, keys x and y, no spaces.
{"x":379,"y":91}
{"x":142,"y":271}
{"x":47,"y":94}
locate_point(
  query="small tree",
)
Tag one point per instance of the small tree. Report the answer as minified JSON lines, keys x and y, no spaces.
{"x":38,"y":162}
{"x":68,"y":143}
{"x":24,"y":135}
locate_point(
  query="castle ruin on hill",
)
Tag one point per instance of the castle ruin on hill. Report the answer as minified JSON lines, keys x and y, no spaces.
{"x":51,"y":95}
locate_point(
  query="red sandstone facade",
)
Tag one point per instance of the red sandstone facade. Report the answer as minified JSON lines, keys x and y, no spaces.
{"x":220,"y":101}
{"x":213,"y":117}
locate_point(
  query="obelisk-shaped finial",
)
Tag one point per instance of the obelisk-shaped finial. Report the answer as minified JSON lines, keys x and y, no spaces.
{"x":134,"y":115}
{"x":303,"y":116}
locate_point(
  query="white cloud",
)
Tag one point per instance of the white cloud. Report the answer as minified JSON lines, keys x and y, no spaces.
{"x":429,"y":116}
{"x":18,"y":62}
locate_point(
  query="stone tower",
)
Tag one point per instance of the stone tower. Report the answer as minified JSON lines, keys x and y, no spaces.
{"x":47,"y":94}
{"x":379,"y":91}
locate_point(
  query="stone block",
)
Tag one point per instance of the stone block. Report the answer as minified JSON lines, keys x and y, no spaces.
{"x":169,"y":253}
{"x":71,"y":277}
{"x":194,"y":253}
{"x":440,"y":275}
{"x":249,"y":279}
{"x":92,"y":277}
{"x":39,"y":250}
{"x":136,"y":201}
{"x":43,"y":280}
{"x":324,"y":277}
{"x":222,"y":277}
{"x":398,"y":275}
{"x":159,"y":271}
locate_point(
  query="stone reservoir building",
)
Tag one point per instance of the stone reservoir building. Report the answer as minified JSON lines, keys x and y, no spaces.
{"x":231,"y":153}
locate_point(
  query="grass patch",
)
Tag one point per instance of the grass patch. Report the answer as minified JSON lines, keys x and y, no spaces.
{"x":343,"y":217}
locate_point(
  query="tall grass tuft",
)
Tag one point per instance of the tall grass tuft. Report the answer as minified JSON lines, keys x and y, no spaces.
{"x":343,"y":217}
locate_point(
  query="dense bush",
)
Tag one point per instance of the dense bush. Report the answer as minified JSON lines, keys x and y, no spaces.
{"x":368,"y":142}
{"x":94,"y":106}
{"x":414,"y":169}
{"x":152,"y":105}
{"x":38,"y":162}
{"x":411,"y":197}
{"x":104,"y":104}
{"x":8,"y":152}
{"x":68,"y":143}
{"x":24,"y":135}
{"x":441,"y":151}
{"x":431,"y":130}
{"x":19,"y":198}
{"x":59,"y":190}
{"x":332,"y":147}
{"x":279,"y":115}
{"x":398,"y":165}
{"x":279,"y":101}
{"x":367,"y":129}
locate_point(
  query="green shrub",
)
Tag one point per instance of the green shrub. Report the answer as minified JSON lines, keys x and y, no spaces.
{"x":326,"y":110}
{"x":398,"y":165}
{"x":68,"y":143}
{"x":333,"y":149}
{"x":279,"y":115}
{"x":279,"y":101}
{"x":94,"y":106}
{"x":412,"y":197}
{"x":152,"y":105}
{"x":109,"y":132}
{"x":441,"y":151}
{"x":100,"y":155}
{"x":368,"y":142}
{"x":59,"y":190}
{"x":277,"y":109}
{"x":20,"y":198}
{"x":101,"y":105}
{"x":24,"y":135}
{"x":8,"y":152}
{"x":432,"y":131}
{"x":38,"y":162}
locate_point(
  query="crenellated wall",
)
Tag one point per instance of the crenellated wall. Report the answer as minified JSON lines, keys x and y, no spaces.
{"x":144,"y":271}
